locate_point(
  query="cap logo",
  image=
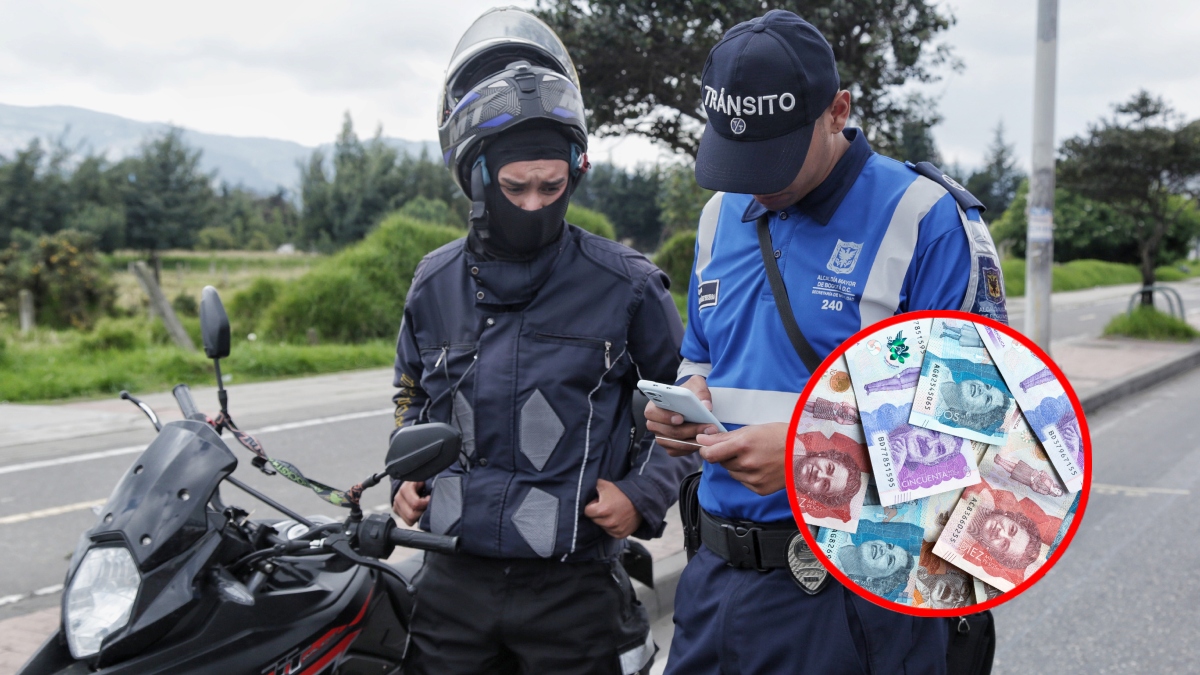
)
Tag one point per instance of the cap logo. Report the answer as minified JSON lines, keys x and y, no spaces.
{"x":737,"y":125}
{"x":728,"y":104}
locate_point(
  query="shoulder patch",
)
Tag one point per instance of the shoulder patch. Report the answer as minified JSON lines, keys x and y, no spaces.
{"x":965,"y":199}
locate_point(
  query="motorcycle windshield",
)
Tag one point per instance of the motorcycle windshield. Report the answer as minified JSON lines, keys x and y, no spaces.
{"x":159,"y":505}
{"x":510,"y":31}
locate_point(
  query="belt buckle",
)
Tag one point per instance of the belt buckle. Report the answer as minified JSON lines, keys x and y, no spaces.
{"x":743,"y":542}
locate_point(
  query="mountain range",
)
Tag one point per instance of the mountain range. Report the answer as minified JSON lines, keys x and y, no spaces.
{"x":260,"y":164}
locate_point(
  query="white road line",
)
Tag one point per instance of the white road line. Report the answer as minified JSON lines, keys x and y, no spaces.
{"x":53,"y":511}
{"x":1105,"y":489}
{"x":116,"y":452}
{"x":10,"y":599}
{"x":49,"y":590}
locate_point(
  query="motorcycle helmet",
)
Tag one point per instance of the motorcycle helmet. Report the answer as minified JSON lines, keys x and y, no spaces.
{"x":508,"y":69}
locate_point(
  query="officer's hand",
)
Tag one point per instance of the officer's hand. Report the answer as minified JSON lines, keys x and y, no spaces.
{"x":613,"y":511}
{"x":667,"y":424}
{"x":408,"y":504}
{"x":753,"y":455}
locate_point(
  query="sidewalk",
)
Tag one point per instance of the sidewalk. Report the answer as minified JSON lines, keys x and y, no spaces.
{"x":1102,"y":371}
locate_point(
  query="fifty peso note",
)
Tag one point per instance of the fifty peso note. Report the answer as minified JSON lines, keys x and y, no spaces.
{"x":1001,"y":530}
{"x":829,"y":459}
{"x":908,"y":462}
{"x":960,"y":391}
{"x":1043,"y":401}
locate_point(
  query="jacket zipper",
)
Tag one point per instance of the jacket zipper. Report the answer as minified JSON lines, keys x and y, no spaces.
{"x":550,"y":337}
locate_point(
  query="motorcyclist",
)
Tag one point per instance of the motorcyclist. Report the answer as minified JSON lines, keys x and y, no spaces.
{"x":529,"y":335}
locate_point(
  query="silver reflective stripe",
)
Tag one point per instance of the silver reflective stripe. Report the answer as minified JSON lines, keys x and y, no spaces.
{"x":707,"y":232}
{"x":445,"y":508}
{"x":689,"y":368}
{"x":464,"y":419}
{"x":752,"y":406}
{"x":635,"y":659}
{"x":981,"y":244}
{"x":537,"y":521}
{"x":881,"y":295}
{"x":541,"y":429}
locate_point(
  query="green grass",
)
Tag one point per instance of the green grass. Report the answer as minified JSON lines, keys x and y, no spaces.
{"x":1148,"y":323}
{"x":1080,"y":274}
{"x":199,"y":261}
{"x":127,"y":354}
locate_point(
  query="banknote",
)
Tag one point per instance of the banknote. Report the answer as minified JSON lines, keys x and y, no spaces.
{"x":960,"y":391}
{"x":890,"y":557}
{"x":1044,"y":402}
{"x":1066,"y":523}
{"x":984,"y":592}
{"x":907,"y":462}
{"x":1002,"y":529}
{"x":829,"y":461}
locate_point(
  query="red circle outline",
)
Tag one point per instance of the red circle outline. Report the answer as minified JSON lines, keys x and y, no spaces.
{"x":809,"y":539}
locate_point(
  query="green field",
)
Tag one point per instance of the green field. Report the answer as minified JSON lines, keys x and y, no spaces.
{"x":1079,"y":274}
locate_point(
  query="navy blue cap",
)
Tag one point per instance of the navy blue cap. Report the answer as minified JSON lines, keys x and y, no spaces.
{"x":765,"y":84}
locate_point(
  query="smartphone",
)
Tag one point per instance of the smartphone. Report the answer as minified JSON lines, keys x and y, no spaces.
{"x":680,"y":400}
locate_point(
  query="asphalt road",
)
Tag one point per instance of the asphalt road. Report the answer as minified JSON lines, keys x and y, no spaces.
{"x":1085,"y":313}
{"x":1123,"y":598}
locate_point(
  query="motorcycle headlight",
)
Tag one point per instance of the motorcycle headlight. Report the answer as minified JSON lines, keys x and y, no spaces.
{"x":100,"y":598}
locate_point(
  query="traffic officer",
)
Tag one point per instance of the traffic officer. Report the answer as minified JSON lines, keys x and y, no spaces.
{"x":856,"y":237}
{"x":529,"y":335}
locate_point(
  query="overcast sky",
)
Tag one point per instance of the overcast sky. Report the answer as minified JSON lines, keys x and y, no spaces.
{"x":290,"y":69}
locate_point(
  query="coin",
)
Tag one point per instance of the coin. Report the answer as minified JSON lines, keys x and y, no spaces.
{"x":839,"y":380}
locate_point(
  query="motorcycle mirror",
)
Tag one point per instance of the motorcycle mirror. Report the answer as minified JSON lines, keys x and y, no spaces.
{"x":421,"y":452}
{"x":214,"y":324}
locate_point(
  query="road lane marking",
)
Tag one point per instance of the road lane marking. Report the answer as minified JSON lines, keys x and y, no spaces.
{"x":53,"y":511}
{"x":133,"y":449}
{"x":1105,"y":489}
{"x":1085,"y":317}
{"x":13,"y":599}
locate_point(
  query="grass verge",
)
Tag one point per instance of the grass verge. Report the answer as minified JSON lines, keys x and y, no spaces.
{"x":57,"y":367}
{"x":1080,"y":274}
{"x":1148,"y":323}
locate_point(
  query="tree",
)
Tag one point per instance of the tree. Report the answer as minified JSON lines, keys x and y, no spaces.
{"x":1089,"y":229}
{"x":345,"y":196}
{"x":640,"y":61}
{"x":1144,"y":163}
{"x":996,"y":183}
{"x":168,"y":200}
{"x":680,"y":199}
{"x":628,"y":198}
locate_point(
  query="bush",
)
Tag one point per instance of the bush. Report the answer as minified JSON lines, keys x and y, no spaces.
{"x":359,"y":293}
{"x":71,"y":287}
{"x":592,"y":221}
{"x":676,"y":258}
{"x":191,"y":326}
{"x":215,"y":239}
{"x":120,"y":335}
{"x":247,"y":306}
{"x":1148,"y":323}
{"x":185,"y":304}
{"x":1072,"y":276}
{"x":428,"y":210}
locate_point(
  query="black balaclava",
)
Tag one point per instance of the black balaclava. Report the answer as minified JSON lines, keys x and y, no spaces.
{"x":514,"y":233}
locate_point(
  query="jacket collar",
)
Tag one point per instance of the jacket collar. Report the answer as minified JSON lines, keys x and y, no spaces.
{"x":507,"y":282}
{"x":824,"y":200}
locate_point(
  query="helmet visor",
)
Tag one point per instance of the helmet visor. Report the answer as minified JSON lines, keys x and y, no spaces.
{"x":513,"y":34}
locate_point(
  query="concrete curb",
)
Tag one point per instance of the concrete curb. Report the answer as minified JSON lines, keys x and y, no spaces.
{"x":1137,"y":382}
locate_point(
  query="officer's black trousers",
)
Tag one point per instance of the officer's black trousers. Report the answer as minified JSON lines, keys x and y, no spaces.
{"x":491,"y":615}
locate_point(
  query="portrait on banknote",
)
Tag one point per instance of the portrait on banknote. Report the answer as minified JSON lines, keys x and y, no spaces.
{"x":830,"y":477}
{"x":879,"y":557}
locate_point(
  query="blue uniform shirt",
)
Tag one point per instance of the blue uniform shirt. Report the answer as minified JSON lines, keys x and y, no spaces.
{"x":874,"y":239}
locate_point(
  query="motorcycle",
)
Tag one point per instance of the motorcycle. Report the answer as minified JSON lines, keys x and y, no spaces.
{"x":172,"y":579}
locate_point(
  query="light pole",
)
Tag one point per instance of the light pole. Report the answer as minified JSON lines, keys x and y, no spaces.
{"x":1039,"y":242}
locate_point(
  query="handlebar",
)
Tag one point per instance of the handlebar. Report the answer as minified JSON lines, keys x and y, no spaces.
{"x":187,"y":405}
{"x":426,"y":541}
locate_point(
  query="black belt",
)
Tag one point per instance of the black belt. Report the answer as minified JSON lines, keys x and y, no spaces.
{"x":756,"y":546}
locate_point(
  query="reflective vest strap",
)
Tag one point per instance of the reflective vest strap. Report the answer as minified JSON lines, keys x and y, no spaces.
{"x":753,"y":406}
{"x":707,"y":232}
{"x":881,"y":295}
{"x":982,"y":246}
{"x":689,"y":368}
